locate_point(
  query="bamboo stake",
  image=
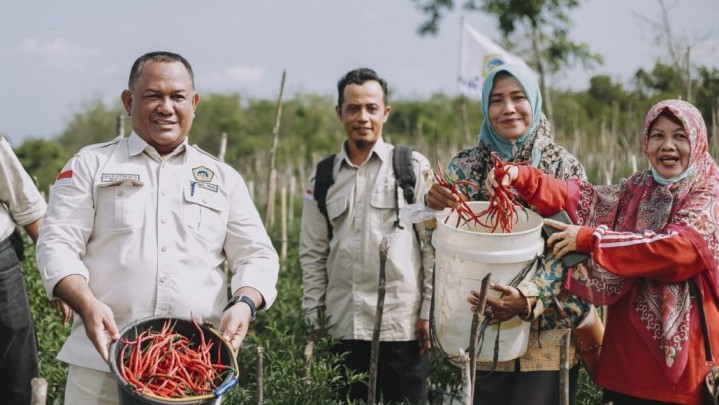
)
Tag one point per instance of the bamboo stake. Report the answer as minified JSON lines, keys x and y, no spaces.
{"x":120,"y":125}
{"x":374,"y":351}
{"x":223,"y":147}
{"x":39,"y":391}
{"x":309,"y":358}
{"x":467,"y":379}
{"x":260,"y":376}
{"x":291,"y":202}
{"x":465,"y":118}
{"x":283,"y":218}
{"x":564,"y":369}
{"x":477,"y":318}
{"x":270,"y":213}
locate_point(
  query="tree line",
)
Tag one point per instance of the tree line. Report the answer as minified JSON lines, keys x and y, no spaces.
{"x":608,"y":114}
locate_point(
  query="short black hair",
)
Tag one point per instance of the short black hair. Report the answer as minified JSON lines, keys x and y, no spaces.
{"x":160,"y":56}
{"x":359,"y":76}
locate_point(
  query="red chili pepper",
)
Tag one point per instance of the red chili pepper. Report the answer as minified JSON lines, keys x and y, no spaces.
{"x":168,"y":365}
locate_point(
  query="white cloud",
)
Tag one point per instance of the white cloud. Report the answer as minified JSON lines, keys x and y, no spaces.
{"x":234,"y":76}
{"x":57,"y":52}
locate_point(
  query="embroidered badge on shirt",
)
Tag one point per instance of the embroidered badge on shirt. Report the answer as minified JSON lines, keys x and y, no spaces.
{"x":110,"y":177}
{"x":203,"y":174}
{"x":64,"y":178}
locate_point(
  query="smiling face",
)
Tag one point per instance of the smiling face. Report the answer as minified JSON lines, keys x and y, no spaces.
{"x":510,"y":112}
{"x":162,"y":105}
{"x":363,"y":113}
{"x":668,"y":147}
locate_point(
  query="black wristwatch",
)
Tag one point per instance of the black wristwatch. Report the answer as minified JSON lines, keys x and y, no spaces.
{"x":242,"y":298}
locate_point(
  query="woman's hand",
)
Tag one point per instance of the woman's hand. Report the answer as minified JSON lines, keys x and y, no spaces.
{"x":565,"y":240}
{"x":510,"y":176}
{"x":499,"y":309}
{"x":440,"y":197}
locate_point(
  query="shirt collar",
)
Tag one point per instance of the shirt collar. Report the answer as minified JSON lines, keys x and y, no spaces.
{"x":138,"y":145}
{"x":381,"y":149}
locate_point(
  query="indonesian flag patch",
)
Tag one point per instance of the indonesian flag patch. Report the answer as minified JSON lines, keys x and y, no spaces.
{"x":64,"y":178}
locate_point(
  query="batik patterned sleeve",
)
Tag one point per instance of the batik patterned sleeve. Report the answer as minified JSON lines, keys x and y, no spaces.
{"x":560,"y":309}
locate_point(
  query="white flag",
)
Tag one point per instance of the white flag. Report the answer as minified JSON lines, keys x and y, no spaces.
{"x":479,"y":55}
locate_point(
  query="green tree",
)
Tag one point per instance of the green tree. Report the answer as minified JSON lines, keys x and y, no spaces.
{"x":43,"y":159}
{"x":96,"y":123}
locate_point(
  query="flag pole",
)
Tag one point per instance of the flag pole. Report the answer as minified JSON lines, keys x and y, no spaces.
{"x":462,"y":97}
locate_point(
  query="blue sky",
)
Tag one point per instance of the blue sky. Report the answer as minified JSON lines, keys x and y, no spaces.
{"x":57,"y":56}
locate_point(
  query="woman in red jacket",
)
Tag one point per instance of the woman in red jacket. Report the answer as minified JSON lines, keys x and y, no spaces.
{"x":650,"y":237}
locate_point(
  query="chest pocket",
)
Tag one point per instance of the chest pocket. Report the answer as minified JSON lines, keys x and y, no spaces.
{"x":205,"y":213}
{"x":125,"y":200}
{"x":384,"y":207}
{"x":336,"y":207}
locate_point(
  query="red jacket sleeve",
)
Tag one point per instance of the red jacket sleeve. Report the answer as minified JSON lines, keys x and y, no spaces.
{"x":547,"y":194}
{"x":669,"y":258}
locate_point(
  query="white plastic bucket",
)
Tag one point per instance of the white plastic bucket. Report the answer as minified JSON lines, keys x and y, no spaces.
{"x":463,"y":257}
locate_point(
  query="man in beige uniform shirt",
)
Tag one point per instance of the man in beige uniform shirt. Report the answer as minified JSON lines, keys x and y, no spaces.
{"x":20,"y":204}
{"x":140,"y":226}
{"x":341,"y":273}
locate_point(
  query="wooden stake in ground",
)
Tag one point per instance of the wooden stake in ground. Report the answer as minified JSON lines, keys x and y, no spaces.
{"x":466,"y":377}
{"x":120,"y":125}
{"x":223,"y":147}
{"x":283,"y":218}
{"x":270,"y":212}
{"x":260,"y":376}
{"x":477,"y":319}
{"x":564,"y":368}
{"x":374,"y":351}
{"x":39,"y":391}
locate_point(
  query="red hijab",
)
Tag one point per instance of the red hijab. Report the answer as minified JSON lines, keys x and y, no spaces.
{"x":690,"y":207}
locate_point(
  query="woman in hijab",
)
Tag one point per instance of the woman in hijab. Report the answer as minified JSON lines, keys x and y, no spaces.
{"x":654,"y":244}
{"x":516,"y":129}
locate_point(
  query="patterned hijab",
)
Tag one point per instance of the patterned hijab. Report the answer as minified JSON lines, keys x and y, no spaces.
{"x":689,"y":206}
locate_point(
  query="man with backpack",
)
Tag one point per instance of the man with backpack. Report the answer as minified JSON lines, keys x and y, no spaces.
{"x":352,"y":203}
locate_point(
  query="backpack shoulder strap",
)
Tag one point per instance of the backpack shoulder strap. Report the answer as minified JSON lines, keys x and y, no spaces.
{"x":323,"y":182}
{"x":403,"y":170}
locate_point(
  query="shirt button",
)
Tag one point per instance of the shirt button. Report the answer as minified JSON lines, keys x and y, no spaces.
{"x":163,"y":279}
{"x":164,"y":248}
{"x":162,"y":193}
{"x":120,"y":193}
{"x":164,"y":221}
{"x":204,"y":201}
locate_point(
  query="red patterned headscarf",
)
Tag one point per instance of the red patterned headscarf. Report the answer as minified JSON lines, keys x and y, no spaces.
{"x":690,"y":207}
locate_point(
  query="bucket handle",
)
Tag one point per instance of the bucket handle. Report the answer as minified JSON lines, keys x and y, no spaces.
{"x":229,"y":383}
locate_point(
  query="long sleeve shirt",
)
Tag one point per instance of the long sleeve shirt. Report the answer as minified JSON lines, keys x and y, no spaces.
{"x":20,"y":201}
{"x":341,"y":274}
{"x":150,"y":236}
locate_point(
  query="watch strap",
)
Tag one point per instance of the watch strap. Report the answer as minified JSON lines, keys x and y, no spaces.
{"x":242,"y":298}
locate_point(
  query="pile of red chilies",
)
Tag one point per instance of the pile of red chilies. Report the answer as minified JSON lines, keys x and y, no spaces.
{"x":167,"y":365}
{"x":502,"y":209}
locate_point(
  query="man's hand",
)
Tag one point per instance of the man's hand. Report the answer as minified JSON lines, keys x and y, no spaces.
{"x":422,"y":332}
{"x":100,"y":327}
{"x":97,"y":316}
{"x":235,"y":323}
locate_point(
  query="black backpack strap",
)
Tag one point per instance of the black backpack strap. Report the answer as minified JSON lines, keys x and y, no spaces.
{"x":403,"y":170}
{"x":404,"y":173}
{"x":323,"y":182}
